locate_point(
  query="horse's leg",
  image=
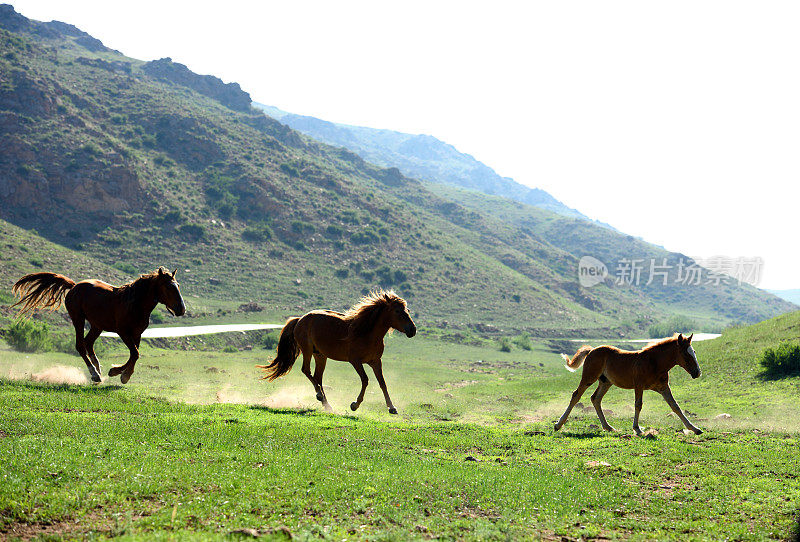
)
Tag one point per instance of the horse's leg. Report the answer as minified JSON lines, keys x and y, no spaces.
{"x":306,"y":369}
{"x":359,"y":367}
{"x":592,"y":370}
{"x":91,"y":337}
{"x":319,"y":368}
{"x":597,"y":398}
{"x":377,"y":368}
{"x":637,"y":405}
{"x":576,"y":396}
{"x":78,"y":321}
{"x":666,"y":393}
{"x":126,"y":370}
{"x":131,"y":363}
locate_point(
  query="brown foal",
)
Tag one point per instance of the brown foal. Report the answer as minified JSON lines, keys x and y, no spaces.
{"x":645,"y":369}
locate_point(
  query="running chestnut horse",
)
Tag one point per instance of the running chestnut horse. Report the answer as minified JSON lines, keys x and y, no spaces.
{"x":645,"y":369}
{"x":355,"y":336}
{"x":125,"y":310}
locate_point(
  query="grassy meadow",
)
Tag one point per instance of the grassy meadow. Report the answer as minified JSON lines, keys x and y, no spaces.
{"x":196,"y":446}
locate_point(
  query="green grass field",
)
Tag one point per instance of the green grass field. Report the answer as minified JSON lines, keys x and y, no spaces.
{"x":196,"y":446}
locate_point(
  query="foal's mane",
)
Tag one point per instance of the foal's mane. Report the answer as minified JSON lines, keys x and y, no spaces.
{"x":363,"y":316}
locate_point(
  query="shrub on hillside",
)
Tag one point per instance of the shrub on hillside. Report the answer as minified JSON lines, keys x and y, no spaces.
{"x":258,"y":233}
{"x":523,"y":341}
{"x":505,"y":345}
{"x":676,"y":324}
{"x":334,"y":231}
{"x":193,"y":231}
{"x":365,"y":237}
{"x":784,"y":360}
{"x":29,"y":336}
{"x":125,"y":267}
{"x":270,"y":341}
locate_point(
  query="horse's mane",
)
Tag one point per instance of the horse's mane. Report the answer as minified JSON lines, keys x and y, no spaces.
{"x":133,"y":291}
{"x":661,"y":342}
{"x":363,"y":316}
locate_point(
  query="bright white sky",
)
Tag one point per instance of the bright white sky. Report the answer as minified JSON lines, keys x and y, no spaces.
{"x":675,"y":121}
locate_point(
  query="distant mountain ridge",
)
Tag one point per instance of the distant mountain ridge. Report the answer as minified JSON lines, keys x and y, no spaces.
{"x":792,"y":296}
{"x":420,"y":156}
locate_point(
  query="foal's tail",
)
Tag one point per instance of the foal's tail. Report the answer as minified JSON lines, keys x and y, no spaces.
{"x":288,"y":350}
{"x":41,"y":290}
{"x":577,"y":360}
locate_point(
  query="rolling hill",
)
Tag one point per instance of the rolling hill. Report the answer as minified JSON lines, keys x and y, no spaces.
{"x":126,"y":165}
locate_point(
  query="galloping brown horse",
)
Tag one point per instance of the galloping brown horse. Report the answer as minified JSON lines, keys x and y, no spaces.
{"x":125,"y":310}
{"x":645,"y":369}
{"x":355,"y":336}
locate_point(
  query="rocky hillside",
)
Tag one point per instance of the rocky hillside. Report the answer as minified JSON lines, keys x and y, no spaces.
{"x":133,"y":165}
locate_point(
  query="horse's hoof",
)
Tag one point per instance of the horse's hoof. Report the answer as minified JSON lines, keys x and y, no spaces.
{"x":125,"y":377}
{"x":320,"y":397}
{"x":392,"y":410}
{"x":328,"y":408}
{"x":97,"y":379}
{"x":610,"y":429}
{"x":353,"y":406}
{"x":114,"y":371}
{"x":697,"y":431}
{"x":556,"y":427}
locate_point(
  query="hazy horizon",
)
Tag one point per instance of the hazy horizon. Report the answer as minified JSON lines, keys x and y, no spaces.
{"x":674,"y":123}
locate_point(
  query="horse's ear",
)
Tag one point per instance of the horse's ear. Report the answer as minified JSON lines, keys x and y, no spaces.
{"x":160,"y":270}
{"x":689,"y":338}
{"x":175,"y":271}
{"x":680,"y":338}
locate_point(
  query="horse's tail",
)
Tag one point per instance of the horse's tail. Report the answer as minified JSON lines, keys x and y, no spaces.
{"x":577,"y":360}
{"x":287,"y":352}
{"x":41,"y":290}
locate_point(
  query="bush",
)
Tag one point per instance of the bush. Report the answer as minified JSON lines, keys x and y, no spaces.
{"x":193,"y":231}
{"x":505,"y":345}
{"x":523,"y":341}
{"x":230,"y":349}
{"x":290,"y":170}
{"x":156,"y":318}
{"x":676,"y":324}
{"x":782,"y":361}
{"x":334,"y":231}
{"x":125,"y":267}
{"x":365,"y":237}
{"x":299,"y":226}
{"x":257,"y":232}
{"x":29,"y":336}
{"x":270,"y":341}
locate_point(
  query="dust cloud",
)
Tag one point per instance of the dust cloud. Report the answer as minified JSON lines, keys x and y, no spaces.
{"x":60,"y":374}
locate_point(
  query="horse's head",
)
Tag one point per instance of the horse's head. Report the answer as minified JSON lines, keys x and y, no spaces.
{"x":687,"y":357}
{"x":168,"y":292}
{"x":399,"y":318}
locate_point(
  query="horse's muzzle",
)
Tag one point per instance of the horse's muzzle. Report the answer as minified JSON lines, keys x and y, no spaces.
{"x":696,"y":374}
{"x":410,"y":330}
{"x":180,"y":311}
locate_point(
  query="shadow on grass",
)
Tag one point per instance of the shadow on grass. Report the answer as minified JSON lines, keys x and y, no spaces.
{"x":283,"y":410}
{"x":770,"y":376}
{"x":96,"y":389}
{"x":572,"y":434}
